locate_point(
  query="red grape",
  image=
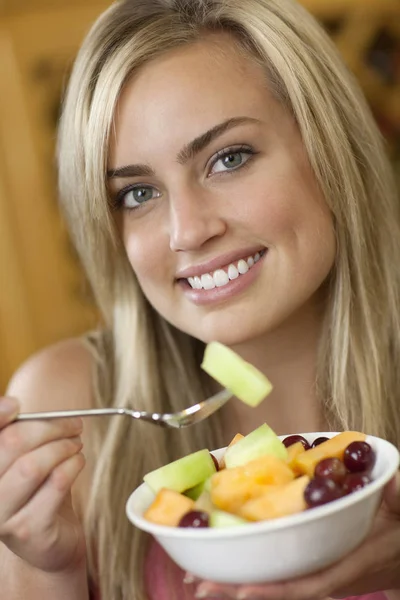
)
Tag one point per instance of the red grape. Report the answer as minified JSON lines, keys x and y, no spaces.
{"x":331,"y":468}
{"x":194,"y":518}
{"x":355,"y":481}
{"x":319,"y":441}
{"x":359,"y":457}
{"x":216,"y":463}
{"x":321,"y":491}
{"x":293,"y":439}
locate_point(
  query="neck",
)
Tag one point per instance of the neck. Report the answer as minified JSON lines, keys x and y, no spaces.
{"x":288,"y":357}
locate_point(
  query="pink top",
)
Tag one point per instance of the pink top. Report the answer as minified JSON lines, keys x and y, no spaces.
{"x":164,"y":580}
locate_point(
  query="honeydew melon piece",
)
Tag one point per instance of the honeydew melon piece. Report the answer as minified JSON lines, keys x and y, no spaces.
{"x":234,"y":441}
{"x":196,"y":491}
{"x":332,"y":448}
{"x":220,"y":518}
{"x":240,"y":377}
{"x":260,"y":442}
{"x":168,"y":508}
{"x":182,"y":474}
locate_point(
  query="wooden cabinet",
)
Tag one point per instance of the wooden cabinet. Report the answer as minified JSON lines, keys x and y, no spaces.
{"x":42,"y":291}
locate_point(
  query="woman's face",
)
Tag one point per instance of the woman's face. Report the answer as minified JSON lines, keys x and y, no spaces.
{"x":221,"y":217}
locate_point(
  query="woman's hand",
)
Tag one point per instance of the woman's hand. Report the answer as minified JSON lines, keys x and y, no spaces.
{"x":374,"y":566}
{"x":39,"y":461}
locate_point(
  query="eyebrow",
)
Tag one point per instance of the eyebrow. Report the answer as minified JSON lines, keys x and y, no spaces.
{"x":188,"y":152}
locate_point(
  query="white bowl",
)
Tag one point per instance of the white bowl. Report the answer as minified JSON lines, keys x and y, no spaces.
{"x":279,"y":549}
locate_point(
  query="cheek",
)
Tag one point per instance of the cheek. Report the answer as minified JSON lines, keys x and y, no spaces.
{"x":141,"y":248}
{"x":293,"y":217}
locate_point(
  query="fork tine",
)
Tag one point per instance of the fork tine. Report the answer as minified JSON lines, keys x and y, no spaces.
{"x":198,"y":412}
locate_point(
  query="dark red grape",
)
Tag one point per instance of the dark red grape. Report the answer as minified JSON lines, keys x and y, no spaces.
{"x":321,"y":491}
{"x":293,"y":439}
{"x":319,"y":441}
{"x":359,"y":457}
{"x":194,"y":518}
{"x":331,"y":468}
{"x":216,"y":463}
{"x":355,"y":481}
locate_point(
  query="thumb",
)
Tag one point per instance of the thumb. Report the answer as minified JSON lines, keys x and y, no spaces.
{"x":9,"y":408}
{"x":391,"y":495}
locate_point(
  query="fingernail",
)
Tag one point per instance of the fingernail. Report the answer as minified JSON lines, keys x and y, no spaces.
{"x":9,"y":406}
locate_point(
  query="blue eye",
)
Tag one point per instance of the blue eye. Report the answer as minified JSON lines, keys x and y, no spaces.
{"x":137,"y":195}
{"x":231,"y":160}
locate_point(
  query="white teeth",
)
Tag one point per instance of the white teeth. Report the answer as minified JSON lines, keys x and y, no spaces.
{"x":243,"y":267}
{"x":197,"y":283}
{"x":207,"y":282}
{"x":233,"y":273}
{"x":220,"y":278}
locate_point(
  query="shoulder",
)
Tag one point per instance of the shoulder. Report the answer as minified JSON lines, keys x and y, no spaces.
{"x":59,"y":376}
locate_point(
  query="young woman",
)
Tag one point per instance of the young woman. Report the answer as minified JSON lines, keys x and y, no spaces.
{"x":223,"y":179}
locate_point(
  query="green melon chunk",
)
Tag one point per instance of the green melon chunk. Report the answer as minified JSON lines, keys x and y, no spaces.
{"x":195,"y":491}
{"x":258,"y":443}
{"x":240,"y":377}
{"x":204,"y":503}
{"x":182,"y":474}
{"x":219,"y":518}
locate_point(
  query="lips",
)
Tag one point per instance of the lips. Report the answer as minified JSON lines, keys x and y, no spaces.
{"x":221,"y":263}
{"x":223,"y":276}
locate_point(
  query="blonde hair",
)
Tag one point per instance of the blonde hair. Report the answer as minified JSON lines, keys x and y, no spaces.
{"x":147,"y":362}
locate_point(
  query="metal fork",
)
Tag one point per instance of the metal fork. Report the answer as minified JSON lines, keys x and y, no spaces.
{"x":183,"y":418}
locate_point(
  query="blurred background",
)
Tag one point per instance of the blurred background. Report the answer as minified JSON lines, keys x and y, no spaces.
{"x":43,"y":296}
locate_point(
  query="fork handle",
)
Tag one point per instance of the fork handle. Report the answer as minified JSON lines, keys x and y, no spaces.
{"x":62,"y":414}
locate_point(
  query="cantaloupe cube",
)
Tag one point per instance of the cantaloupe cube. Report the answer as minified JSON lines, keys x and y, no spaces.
{"x":293,"y":452}
{"x":279,"y":502}
{"x":168,"y":508}
{"x":268,"y":470}
{"x":231,"y":488}
{"x":334,"y":447}
{"x":234,"y":441}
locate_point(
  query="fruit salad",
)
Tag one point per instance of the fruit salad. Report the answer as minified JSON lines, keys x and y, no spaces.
{"x":258,"y":478}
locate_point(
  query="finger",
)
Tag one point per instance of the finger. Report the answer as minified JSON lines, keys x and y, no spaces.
{"x":208,"y":589}
{"x":189,"y":578}
{"x":36,"y":525}
{"x":9,"y":408}
{"x":29,"y":472}
{"x":56,"y":489}
{"x":391,"y":495}
{"x":341,"y":576}
{"x":20,"y":438}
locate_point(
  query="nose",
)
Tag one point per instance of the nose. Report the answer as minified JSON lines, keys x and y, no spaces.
{"x":194,"y":220}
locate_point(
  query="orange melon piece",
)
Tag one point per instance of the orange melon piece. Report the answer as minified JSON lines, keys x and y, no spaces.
{"x":231,"y":488}
{"x":277,"y":502}
{"x":306,"y":462}
{"x":168,"y":508}
{"x":234,"y":441}
{"x":293,"y":452}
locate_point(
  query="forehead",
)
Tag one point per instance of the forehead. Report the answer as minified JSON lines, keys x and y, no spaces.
{"x":182,"y":93}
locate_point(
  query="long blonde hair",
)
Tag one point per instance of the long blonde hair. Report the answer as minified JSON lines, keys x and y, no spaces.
{"x":149,"y":364}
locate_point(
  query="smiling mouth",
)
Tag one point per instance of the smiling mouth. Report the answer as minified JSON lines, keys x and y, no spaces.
{"x":221,"y":277}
